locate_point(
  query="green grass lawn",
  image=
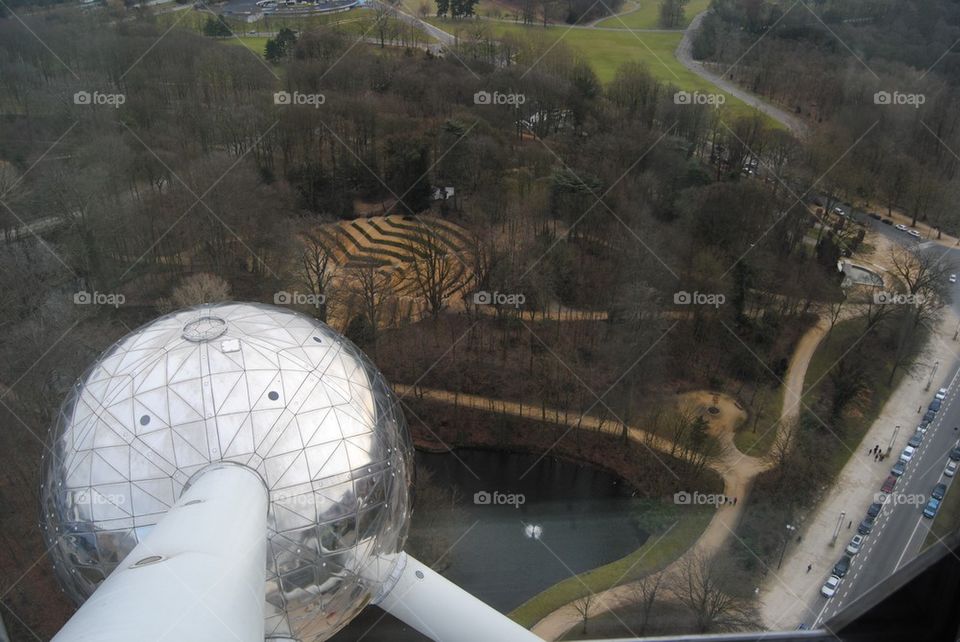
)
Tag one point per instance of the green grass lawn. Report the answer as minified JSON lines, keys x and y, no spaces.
{"x":853,"y":427}
{"x":256,"y":44}
{"x":769,"y":406}
{"x":605,"y":51}
{"x":647,"y":16}
{"x":655,"y":554}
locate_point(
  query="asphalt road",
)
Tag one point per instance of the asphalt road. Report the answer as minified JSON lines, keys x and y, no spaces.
{"x":900,"y":529}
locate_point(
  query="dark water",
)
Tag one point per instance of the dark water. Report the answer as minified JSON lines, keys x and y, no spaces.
{"x":587,"y":518}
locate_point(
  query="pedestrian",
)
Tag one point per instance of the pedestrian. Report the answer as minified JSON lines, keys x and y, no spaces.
{"x":849,"y":525}
{"x":734,"y":501}
{"x":919,"y":408}
{"x":876,"y":457}
{"x":809,"y":566}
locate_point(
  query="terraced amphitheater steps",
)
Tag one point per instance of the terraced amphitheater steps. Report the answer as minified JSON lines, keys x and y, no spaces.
{"x":330,"y":240}
{"x":453,"y":229}
{"x":365,"y":247}
{"x":409,"y":248}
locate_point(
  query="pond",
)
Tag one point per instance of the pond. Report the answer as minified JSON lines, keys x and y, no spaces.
{"x":521,"y":523}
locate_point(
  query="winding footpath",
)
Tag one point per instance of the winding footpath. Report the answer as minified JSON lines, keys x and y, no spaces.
{"x":684,"y":54}
{"x":737,"y":469}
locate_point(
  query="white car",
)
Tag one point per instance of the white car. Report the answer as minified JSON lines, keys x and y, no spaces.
{"x":952,"y":278}
{"x":907,"y":454}
{"x":915,"y":234}
{"x":830,"y":586}
{"x":941,"y":394}
{"x":901,"y":227}
{"x":951,"y":469}
{"x":854,"y":546}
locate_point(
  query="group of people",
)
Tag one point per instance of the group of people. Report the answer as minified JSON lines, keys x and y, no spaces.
{"x":877,"y":454}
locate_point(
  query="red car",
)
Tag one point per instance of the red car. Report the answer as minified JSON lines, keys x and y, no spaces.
{"x":889,"y":484}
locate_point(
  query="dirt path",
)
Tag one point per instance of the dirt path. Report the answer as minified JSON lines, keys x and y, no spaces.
{"x":737,"y":469}
{"x":684,"y":54}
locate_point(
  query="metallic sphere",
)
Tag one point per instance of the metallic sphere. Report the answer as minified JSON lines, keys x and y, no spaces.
{"x":254,"y":384}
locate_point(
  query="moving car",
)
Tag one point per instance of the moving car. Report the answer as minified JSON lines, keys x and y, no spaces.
{"x":842,"y":566}
{"x":942,"y":393}
{"x":930,"y":510}
{"x":902,"y":227}
{"x":829,"y":588}
{"x":854,"y":546}
{"x":951,"y":469}
{"x":907,"y":454}
{"x":889,"y":484}
{"x":916,"y":440}
{"x":874,"y":509}
{"x":939,"y":491}
{"x":898,"y":468}
{"x":865,"y":527}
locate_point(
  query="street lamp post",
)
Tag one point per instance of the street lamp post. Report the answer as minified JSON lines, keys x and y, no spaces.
{"x":893,"y":439}
{"x":836,"y":531}
{"x":790,"y":529}
{"x":936,"y":364}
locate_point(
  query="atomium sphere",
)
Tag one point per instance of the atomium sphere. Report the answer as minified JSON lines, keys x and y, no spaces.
{"x":254,"y":384}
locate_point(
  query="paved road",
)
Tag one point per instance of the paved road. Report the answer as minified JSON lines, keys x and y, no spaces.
{"x":943,"y":252}
{"x":900,"y":529}
{"x":684,"y":54}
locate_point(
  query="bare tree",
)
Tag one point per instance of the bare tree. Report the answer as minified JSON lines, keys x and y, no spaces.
{"x":437,"y":270}
{"x":644,"y":593}
{"x":700,"y":588}
{"x":315,"y":269}
{"x":583,"y":605}
{"x":374,"y":289}
{"x":194,"y":290}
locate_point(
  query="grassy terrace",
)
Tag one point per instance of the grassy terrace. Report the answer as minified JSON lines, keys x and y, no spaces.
{"x":656,"y":553}
{"x":646,"y":15}
{"x":606,"y":50}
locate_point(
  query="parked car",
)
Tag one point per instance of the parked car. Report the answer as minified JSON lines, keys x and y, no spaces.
{"x":898,"y":468}
{"x":942,"y":393}
{"x":951,"y":469}
{"x":929,"y":415}
{"x":955,"y":453}
{"x":874,"y":509}
{"x":953,"y":278}
{"x":830,"y":587}
{"x":939,"y":491}
{"x":887,"y":221}
{"x":923,"y":427}
{"x":930,"y":510}
{"x":902,"y":227}
{"x":915,"y":234}
{"x":842,"y":566}
{"x":889,"y":484}
{"x":854,"y":546}
{"x":907,"y":454}
{"x":874,"y":216}
{"x":865,"y":526}
{"x":916,"y":439}
{"x":935,"y":405}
